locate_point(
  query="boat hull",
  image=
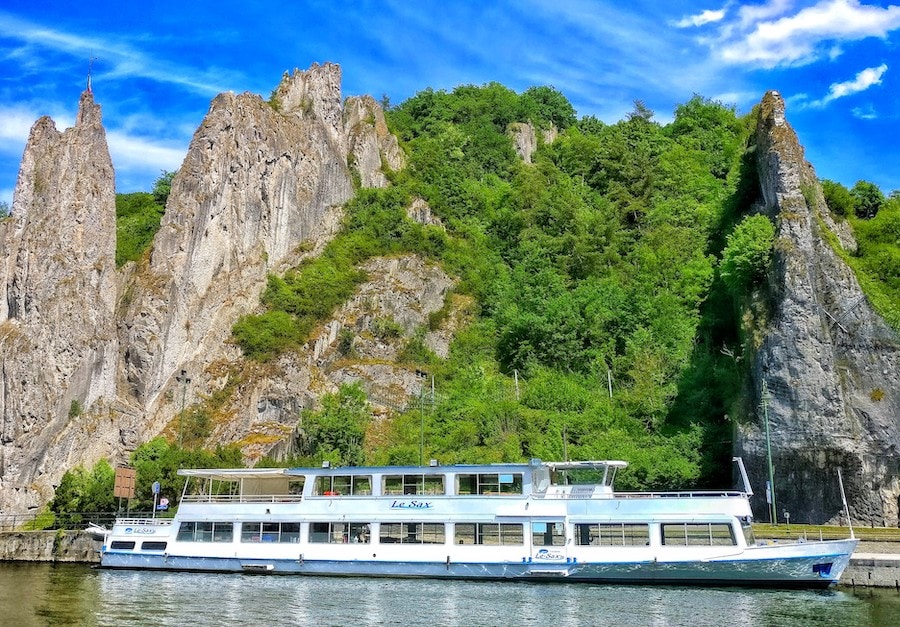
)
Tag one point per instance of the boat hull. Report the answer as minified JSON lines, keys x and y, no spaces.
{"x":809,"y":565}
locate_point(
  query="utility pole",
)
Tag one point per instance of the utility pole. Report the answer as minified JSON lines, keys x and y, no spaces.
{"x":184,"y":380}
{"x":773,"y":511}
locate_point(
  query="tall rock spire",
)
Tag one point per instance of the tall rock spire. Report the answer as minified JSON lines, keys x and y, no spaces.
{"x":58,"y":340}
{"x":829,"y":362}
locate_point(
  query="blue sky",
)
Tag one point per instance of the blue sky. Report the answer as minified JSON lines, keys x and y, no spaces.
{"x":158,"y":64}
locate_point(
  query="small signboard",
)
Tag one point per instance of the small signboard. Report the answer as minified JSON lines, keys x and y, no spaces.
{"x":124,"y":483}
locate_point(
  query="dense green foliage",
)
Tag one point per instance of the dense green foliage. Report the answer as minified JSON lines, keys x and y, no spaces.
{"x":594,"y":270}
{"x":138,"y":216}
{"x":137,"y":220}
{"x":81,"y":490}
{"x":613,"y":281}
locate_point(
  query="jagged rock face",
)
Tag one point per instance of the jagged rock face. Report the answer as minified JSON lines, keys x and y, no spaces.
{"x":829,"y":362}
{"x":57,"y":306}
{"x":525,"y":138}
{"x":261,"y":188}
{"x":255,"y":184}
{"x":370,"y":142}
{"x":259,"y":179}
{"x":404,"y":290}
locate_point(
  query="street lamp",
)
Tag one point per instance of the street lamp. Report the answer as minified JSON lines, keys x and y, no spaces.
{"x":184,"y":380}
{"x":773,"y":511}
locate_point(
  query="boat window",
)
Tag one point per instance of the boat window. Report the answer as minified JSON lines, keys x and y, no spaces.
{"x":489,"y":483}
{"x":295,"y":486}
{"x":339,"y":532}
{"x":412,"y":484}
{"x":698,"y":534}
{"x":749,"y":537}
{"x":612,"y":534}
{"x":336,"y":485}
{"x":548,"y":533}
{"x":205,"y":532}
{"x":270,"y":532}
{"x":122,"y":544}
{"x":489,"y":533}
{"x":411,"y":533}
{"x":153,"y":546}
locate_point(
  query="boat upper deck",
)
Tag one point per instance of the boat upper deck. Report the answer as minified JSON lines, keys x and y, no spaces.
{"x":537,"y":480}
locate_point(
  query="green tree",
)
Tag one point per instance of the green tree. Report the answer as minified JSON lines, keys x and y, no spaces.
{"x":546,"y":104}
{"x":336,"y":432}
{"x":748,"y":252}
{"x":162,"y":186}
{"x":4,"y":209}
{"x":867,"y":199}
{"x":82,"y":491}
{"x":839,"y":199}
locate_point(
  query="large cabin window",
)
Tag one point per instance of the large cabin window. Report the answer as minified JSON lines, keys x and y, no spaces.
{"x":395,"y":485}
{"x":411,"y":533}
{"x":489,"y":533}
{"x":698,"y":534}
{"x":339,"y":532}
{"x":611,"y":534}
{"x":124,"y":545}
{"x":270,"y":532}
{"x":205,"y":532}
{"x":489,"y":483}
{"x":336,"y":485}
{"x":152,"y":545}
{"x":548,"y":533}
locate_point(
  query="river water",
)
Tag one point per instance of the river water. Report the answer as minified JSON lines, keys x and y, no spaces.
{"x":76,"y":594}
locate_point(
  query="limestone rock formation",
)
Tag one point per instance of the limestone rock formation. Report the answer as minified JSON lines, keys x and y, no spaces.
{"x":58,"y":290}
{"x":91,"y":359}
{"x":829,"y":362}
{"x":525,"y":138}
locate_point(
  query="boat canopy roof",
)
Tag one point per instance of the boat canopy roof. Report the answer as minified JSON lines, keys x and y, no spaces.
{"x":237,"y":474}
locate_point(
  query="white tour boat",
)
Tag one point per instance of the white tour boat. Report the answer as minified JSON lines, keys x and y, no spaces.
{"x":533,"y":521}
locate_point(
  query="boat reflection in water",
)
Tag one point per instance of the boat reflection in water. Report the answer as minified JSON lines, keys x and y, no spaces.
{"x":535,"y":521}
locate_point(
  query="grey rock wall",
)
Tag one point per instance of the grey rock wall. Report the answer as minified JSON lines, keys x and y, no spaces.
{"x":58,"y":292}
{"x":262,"y":187}
{"x":829,"y":362}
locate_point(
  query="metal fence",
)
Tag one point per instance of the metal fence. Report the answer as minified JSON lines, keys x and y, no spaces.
{"x":31,"y":521}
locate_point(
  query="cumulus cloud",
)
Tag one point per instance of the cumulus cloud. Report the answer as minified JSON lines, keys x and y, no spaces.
{"x":862,"y":81}
{"x":706,"y":17}
{"x":769,"y":35}
{"x":136,"y":153}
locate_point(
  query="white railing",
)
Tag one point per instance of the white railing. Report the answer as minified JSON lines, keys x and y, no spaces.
{"x":241,"y":498}
{"x":134,"y":522}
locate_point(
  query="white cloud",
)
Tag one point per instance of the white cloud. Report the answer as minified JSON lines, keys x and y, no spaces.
{"x":705,"y":17}
{"x":123,"y":59}
{"x":861,"y":82}
{"x":865,"y":113}
{"x":16,"y":123}
{"x":136,"y":153}
{"x":767,"y":36}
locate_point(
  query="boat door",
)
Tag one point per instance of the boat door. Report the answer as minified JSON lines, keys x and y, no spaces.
{"x":548,"y":541}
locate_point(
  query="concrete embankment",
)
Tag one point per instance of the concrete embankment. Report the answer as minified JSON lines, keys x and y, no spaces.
{"x":48,"y":546}
{"x":874,"y":565}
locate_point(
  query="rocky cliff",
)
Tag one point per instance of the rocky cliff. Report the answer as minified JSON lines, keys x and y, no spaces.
{"x":828,"y":364}
{"x":92,"y":357}
{"x":58,"y":292}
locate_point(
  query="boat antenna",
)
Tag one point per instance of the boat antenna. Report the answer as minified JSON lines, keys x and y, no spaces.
{"x":844,"y":501}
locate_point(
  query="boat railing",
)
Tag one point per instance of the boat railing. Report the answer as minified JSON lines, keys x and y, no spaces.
{"x":135,"y":522}
{"x":565,"y":492}
{"x":241,"y":498}
{"x":694,"y":494}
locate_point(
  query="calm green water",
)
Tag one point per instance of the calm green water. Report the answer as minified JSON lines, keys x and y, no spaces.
{"x":42,"y":594}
